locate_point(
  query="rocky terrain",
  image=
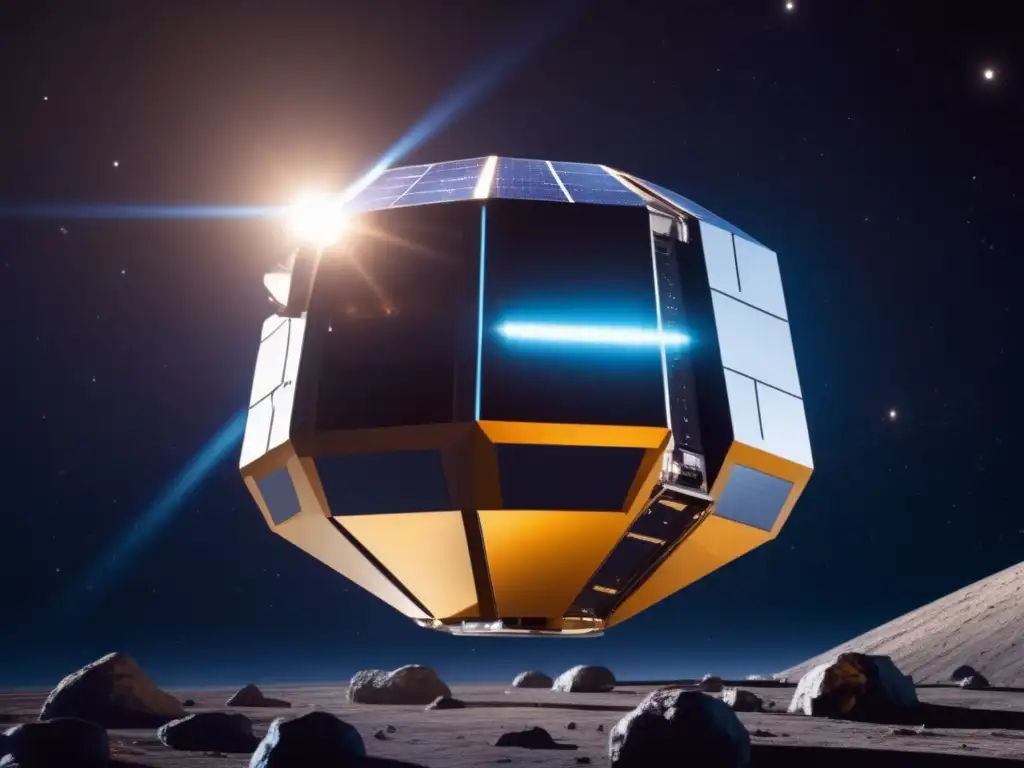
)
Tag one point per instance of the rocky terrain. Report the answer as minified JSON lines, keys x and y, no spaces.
{"x":981,"y":625}
{"x":854,"y":710}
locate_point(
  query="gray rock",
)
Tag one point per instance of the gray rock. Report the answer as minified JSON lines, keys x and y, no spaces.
{"x":308,"y":741}
{"x":711,"y":684}
{"x":405,"y":685}
{"x":446,"y":702}
{"x":531,"y":738}
{"x":975,"y":682}
{"x":855,"y":686}
{"x":688,"y":727}
{"x":8,"y":761}
{"x":739,"y":700}
{"x":251,"y":696}
{"x":188,"y":703}
{"x":532,"y":679}
{"x":585,"y":679}
{"x":112,"y":692}
{"x":60,"y":741}
{"x":210,"y":732}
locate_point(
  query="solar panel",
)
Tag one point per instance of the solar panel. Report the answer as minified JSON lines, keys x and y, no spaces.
{"x":699,"y":211}
{"x":386,"y":188}
{"x":526,"y":180}
{"x":443,"y":182}
{"x":589,"y":183}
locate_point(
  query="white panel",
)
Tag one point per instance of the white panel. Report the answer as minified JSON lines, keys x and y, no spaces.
{"x":270,"y":364}
{"x":760,"y":280}
{"x":257,"y":432}
{"x":720,"y":258}
{"x":297,"y":329}
{"x":271,"y":324}
{"x":755,"y":344}
{"x":785,"y":426}
{"x":282,"y":400}
{"x":746,"y":427}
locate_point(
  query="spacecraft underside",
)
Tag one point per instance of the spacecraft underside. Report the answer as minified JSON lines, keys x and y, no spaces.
{"x":504,"y":414}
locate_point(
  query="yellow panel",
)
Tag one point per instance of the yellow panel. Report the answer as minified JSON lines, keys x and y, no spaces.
{"x":426,"y":551}
{"x":597,"y":435}
{"x":540,"y":560}
{"x":716,"y":542}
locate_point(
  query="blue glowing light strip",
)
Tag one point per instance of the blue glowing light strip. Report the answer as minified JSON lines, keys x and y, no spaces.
{"x":480,"y":309}
{"x":593,"y":334}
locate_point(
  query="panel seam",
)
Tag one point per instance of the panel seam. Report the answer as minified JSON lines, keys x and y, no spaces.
{"x":748,"y":304}
{"x":407,"y":191}
{"x":736,"y":263}
{"x":560,"y":184}
{"x":757,"y":400}
{"x":762,"y":383}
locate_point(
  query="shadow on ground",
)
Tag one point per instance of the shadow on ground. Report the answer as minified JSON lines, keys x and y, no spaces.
{"x":776,"y":756}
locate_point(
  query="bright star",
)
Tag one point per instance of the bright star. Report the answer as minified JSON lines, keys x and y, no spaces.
{"x":892,"y":414}
{"x":790,"y":5}
{"x":989,"y":74}
{"x":117,"y":164}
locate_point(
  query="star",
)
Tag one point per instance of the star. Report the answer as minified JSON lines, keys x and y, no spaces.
{"x":46,"y":98}
{"x":117,"y":164}
{"x":63,"y":231}
{"x":988,"y":73}
{"x":790,"y":6}
{"x":892,"y":414}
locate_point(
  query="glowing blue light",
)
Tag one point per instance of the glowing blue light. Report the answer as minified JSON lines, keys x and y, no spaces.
{"x":620,"y":336}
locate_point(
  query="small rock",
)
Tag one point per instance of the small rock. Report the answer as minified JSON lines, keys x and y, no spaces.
{"x":390,"y":729}
{"x":188,"y":703}
{"x":209,"y":732}
{"x":760,"y":732}
{"x":405,"y":685}
{"x":214,"y":754}
{"x":975,"y":682}
{"x":585,"y":679}
{"x":711,"y":684}
{"x":739,"y":700}
{"x":677,"y":722}
{"x":600,"y":728}
{"x":531,"y":738}
{"x":570,"y":726}
{"x":60,"y":741}
{"x":532,"y":679}
{"x":964,"y":670}
{"x":312,"y":739}
{"x":446,"y":702}
{"x":112,"y":692}
{"x":583,"y":761}
{"x":855,"y":686}
{"x":380,"y":735}
{"x":251,"y":696}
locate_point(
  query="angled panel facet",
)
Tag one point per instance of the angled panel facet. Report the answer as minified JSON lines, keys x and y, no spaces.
{"x":539,"y":561}
{"x":426,"y":551}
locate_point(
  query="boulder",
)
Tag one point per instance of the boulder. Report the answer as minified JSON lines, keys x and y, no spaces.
{"x":532,"y":679}
{"x":739,"y":700}
{"x":975,"y":682}
{"x":188,"y":703}
{"x":309,"y":741}
{"x":251,"y":696}
{"x":585,"y":679}
{"x":964,"y":670}
{"x":531,"y":738}
{"x":446,"y":702}
{"x":685,"y":726}
{"x":8,"y":761}
{"x":855,"y":686}
{"x":112,"y":692}
{"x":711,"y":684}
{"x":405,"y":685}
{"x":209,"y":732}
{"x":60,"y":741}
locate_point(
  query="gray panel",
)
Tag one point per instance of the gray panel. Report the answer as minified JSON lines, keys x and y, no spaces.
{"x":753,"y":498}
{"x":785,"y":425}
{"x":443,"y":183}
{"x":590,"y":183}
{"x":279,"y":495}
{"x":384,"y":483}
{"x":699,"y":211}
{"x":526,"y":180}
{"x":760,"y":280}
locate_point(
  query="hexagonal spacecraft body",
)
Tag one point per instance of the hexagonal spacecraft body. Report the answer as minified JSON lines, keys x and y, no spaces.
{"x":522,"y":396}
